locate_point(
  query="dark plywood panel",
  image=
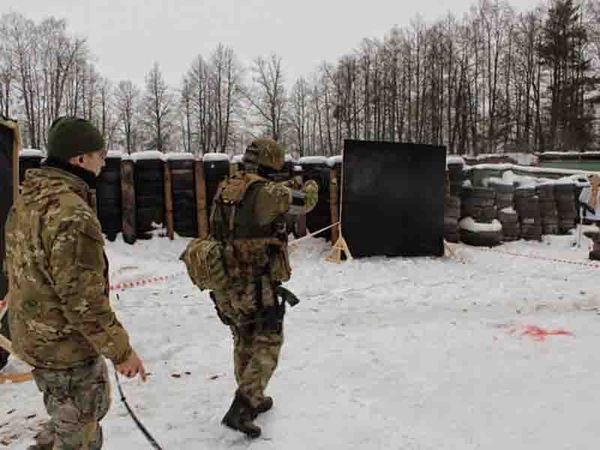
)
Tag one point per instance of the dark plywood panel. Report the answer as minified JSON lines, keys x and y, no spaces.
{"x":393,"y":198}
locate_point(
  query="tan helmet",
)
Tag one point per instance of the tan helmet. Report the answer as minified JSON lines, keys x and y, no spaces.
{"x":266,"y":153}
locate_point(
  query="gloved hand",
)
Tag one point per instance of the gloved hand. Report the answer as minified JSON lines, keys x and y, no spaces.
{"x":311,"y":191}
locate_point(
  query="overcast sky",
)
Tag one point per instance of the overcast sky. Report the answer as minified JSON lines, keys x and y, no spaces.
{"x":127,"y":36}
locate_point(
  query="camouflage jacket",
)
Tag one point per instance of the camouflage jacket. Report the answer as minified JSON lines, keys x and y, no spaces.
{"x":248,"y":214}
{"x":59,"y":310}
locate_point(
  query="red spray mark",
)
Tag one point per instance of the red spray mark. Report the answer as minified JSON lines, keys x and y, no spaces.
{"x":540,"y":334}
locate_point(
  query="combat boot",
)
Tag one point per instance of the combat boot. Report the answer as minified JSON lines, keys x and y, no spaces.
{"x":44,"y":439}
{"x":264,"y":406}
{"x":240,"y":417}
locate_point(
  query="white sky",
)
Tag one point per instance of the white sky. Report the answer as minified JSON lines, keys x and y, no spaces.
{"x":127,"y":36}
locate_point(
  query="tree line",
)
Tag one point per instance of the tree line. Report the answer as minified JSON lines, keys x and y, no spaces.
{"x":492,"y":81}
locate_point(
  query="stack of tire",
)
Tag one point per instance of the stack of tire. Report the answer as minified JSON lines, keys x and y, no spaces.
{"x":216,"y":169}
{"x":29,"y":158}
{"x":316,"y":168}
{"x":456,"y":176}
{"x":181,"y":167}
{"x":506,"y":214}
{"x":149,"y":192}
{"x":528,"y":209}
{"x":478,"y":206}
{"x":478,"y":203}
{"x":548,"y":211}
{"x":564,"y":195}
{"x":451,"y":218}
{"x":108,"y":196}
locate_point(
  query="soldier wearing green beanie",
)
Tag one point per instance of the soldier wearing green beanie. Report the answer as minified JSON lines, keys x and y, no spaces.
{"x":60,"y":317}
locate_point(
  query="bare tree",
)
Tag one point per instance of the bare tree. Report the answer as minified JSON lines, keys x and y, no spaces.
{"x":127,"y":97}
{"x":267,"y":96}
{"x":157,"y":110}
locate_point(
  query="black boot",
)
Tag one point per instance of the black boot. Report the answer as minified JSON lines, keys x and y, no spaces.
{"x":240,"y":417}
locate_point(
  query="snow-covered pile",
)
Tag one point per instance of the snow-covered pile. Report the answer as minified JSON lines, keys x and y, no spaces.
{"x":114,"y":154}
{"x":333,"y":160}
{"x":148,"y":155}
{"x":313,"y":160}
{"x":469,"y":224}
{"x":213,"y":157}
{"x":454,"y":159}
{"x":31,"y":152}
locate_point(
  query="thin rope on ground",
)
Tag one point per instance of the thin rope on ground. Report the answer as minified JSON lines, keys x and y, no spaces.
{"x":137,"y":421}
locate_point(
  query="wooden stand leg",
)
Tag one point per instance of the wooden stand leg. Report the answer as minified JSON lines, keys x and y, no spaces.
{"x":339,"y":249}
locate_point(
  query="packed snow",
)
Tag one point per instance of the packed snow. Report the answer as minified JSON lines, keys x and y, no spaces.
{"x":313,"y":160}
{"x":115,"y":154}
{"x":148,"y":155}
{"x":31,"y":153}
{"x":469,"y":224}
{"x":212,"y":157}
{"x":485,"y":349}
{"x":333,"y":160}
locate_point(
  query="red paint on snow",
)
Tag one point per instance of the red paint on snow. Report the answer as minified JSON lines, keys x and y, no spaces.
{"x":540,"y":334}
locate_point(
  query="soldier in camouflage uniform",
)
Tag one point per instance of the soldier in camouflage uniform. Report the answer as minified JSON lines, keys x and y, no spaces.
{"x":60,"y":317}
{"x":248,"y":217}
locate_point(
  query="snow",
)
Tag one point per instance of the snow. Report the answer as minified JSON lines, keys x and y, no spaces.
{"x":288,"y":158}
{"x":508,"y":210}
{"x":115,"y":154}
{"x":333,"y":160}
{"x":454,"y":159}
{"x":180,"y":156}
{"x":524,"y":159}
{"x":381,"y":353}
{"x":31,"y":152}
{"x":496,"y":181}
{"x":236,"y":159}
{"x":469,"y":224}
{"x":313,"y":160}
{"x":212,"y":157}
{"x":148,"y":155}
{"x":569,"y":154}
{"x":531,"y":170}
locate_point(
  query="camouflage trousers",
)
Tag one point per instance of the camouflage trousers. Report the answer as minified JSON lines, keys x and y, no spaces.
{"x":255,"y":358}
{"x":76,"y":400}
{"x":256,"y":320}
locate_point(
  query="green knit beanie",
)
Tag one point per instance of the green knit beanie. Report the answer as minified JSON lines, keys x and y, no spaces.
{"x":71,"y":136}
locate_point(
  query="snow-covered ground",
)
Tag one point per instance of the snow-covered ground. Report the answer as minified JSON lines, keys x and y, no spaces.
{"x":420,"y":353}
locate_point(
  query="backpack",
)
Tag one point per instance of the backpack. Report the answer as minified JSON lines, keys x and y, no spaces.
{"x":205,"y":263}
{"x":208,"y":261}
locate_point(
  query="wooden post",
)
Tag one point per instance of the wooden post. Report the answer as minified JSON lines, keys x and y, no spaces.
{"x":16,"y":151}
{"x":201,"y":210}
{"x":168,"y":200}
{"x":128,"y":201}
{"x":334,"y":204}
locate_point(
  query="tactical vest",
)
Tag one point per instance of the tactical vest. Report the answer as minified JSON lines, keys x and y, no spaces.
{"x":249,"y":249}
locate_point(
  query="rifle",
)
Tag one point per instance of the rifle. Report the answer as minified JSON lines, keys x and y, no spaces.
{"x":287,"y":296}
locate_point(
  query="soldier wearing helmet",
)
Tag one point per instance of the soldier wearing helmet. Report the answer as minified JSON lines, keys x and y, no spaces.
{"x":248,"y":218}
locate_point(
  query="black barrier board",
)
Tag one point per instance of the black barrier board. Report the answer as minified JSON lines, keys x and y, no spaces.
{"x":393,"y":198}
{"x":6,"y":191}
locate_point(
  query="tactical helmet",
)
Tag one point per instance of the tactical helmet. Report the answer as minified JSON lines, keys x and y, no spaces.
{"x":266,"y":153}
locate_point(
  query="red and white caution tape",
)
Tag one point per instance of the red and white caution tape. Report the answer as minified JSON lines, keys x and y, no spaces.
{"x":144,"y":282}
